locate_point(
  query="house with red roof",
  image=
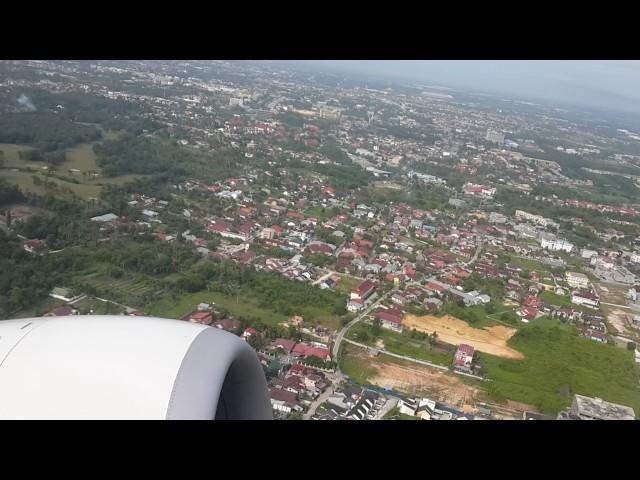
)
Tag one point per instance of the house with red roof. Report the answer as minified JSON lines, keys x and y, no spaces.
{"x":283,"y":400}
{"x":286,"y":344}
{"x":248,"y":333}
{"x":364,"y":290}
{"x":295,"y":215}
{"x":528,"y":313}
{"x":304,"y":350}
{"x":197,"y":316}
{"x":533,"y":301}
{"x":464,"y":357}
{"x":390,"y":319}
{"x":33,"y":244}
{"x":436,"y":288}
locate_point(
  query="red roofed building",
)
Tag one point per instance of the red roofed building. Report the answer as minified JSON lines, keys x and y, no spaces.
{"x":533,"y":301}
{"x":304,"y":350}
{"x":247,"y":333}
{"x":363,"y":243}
{"x":31,"y":245}
{"x":464,"y":357}
{"x":329,"y":190}
{"x":363,"y":291}
{"x":439,"y":289}
{"x":285,"y":344}
{"x":391,"y":319}
{"x":219,"y":227}
{"x":295,"y":215}
{"x":320,"y":248}
{"x":283,"y":400}
{"x":528,"y":313}
{"x":204,"y":318}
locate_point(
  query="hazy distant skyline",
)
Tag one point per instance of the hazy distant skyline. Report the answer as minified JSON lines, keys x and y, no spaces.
{"x":609,"y":84}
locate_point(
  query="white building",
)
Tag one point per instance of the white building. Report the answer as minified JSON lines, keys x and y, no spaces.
{"x":585,"y":298}
{"x":495,"y":137}
{"x":552,"y":243}
{"x":577,"y":280}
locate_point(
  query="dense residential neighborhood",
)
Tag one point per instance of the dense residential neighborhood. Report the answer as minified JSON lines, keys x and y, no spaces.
{"x":386,"y":253}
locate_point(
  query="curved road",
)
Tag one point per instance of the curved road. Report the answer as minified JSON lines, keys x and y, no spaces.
{"x":345,"y":329}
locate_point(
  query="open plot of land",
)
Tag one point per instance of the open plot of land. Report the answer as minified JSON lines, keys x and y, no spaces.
{"x":132,"y":290}
{"x":409,"y":378}
{"x":612,"y":292}
{"x":403,"y":345}
{"x":620,"y":322}
{"x":242,"y":306}
{"x":11,"y":157}
{"x":82,"y":183}
{"x":555,"y":299}
{"x":451,"y":330}
{"x":558,"y":363}
{"x":347,"y":283}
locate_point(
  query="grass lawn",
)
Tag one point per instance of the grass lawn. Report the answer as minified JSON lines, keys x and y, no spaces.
{"x":132,"y":289}
{"x":242,"y":307}
{"x":316,"y":212}
{"x":355,"y":366}
{"x":97,"y":307}
{"x":395,"y":412}
{"x":530,"y":264}
{"x":11,"y":157}
{"x":402,"y":345}
{"x":559,"y":363}
{"x":346,"y":284}
{"x":555,"y":299}
{"x":81,"y":157}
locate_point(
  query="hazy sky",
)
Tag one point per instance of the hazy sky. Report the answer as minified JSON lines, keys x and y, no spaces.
{"x":610,"y":84}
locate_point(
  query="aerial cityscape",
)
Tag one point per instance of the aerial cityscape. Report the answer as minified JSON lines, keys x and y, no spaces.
{"x":390,"y":249}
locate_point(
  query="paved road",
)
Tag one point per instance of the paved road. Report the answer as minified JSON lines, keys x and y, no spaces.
{"x":475,"y":255}
{"x":414,"y":360}
{"x":345,"y":329}
{"x":615,"y":305}
{"x":402,"y":357}
{"x":317,"y":402}
{"x":322,"y":278}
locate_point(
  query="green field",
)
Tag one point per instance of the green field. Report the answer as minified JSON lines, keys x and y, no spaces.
{"x":316,"y":212}
{"x":80,"y":157}
{"x":558,"y":364}
{"x":395,"y":412}
{"x":530,"y":264}
{"x":346,"y":284}
{"x":94,"y":306}
{"x":356,"y":367}
{"x":11,"y":158}
{"x":132,"y":290}
{"x":402,"y":345}
{"x":242,"y":306}
{"x":555,"y":299}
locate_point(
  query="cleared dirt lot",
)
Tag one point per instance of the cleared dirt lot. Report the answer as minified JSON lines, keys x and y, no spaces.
{"x":492,"y":340}
{"x":423,"y":381}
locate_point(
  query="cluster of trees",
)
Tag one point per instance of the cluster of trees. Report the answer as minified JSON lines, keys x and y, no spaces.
{"x":26,"y":278}
{"x":46,"y":131}
{"x":271,"y":291}
{"x":342,"y":177}
{"x":166,"y":161}
{"x":131,"y":154}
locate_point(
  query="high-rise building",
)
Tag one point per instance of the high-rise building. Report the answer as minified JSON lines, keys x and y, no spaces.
{"x":495,"y":137}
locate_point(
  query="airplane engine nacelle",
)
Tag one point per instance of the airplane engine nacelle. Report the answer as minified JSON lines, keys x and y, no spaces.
{"x":121,"y":367}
